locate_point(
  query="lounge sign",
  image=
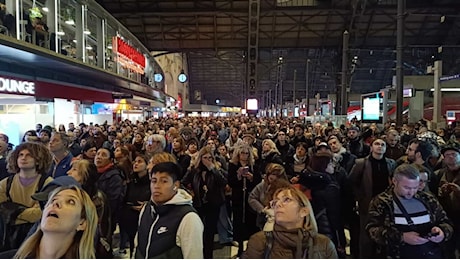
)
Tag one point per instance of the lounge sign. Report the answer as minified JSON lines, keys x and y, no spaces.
{"x":128,"y":56}
{"x":17,"y":86}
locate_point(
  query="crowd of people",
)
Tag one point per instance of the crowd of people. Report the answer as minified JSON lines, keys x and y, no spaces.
{"x":290,"y":189}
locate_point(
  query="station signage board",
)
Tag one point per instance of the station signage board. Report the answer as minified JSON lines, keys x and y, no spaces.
{"x":128,"y":56}
{"x":13,"y":86}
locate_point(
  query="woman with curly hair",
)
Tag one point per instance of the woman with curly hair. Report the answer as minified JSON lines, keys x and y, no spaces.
{"x":29,"y":162}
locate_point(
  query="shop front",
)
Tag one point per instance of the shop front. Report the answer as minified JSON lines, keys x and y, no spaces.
{"x":26,"y":102}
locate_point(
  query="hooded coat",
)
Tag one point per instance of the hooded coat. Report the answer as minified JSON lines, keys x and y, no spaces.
{"x":170,"y":230}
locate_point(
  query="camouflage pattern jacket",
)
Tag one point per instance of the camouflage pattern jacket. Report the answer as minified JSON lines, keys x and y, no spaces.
{"x":381,"y":226}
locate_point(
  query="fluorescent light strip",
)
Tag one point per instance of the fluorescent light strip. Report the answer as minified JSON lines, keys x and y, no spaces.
{"x":448,"y":89}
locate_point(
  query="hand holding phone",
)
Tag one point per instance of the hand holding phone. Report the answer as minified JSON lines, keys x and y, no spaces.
{"x":431,"y":234}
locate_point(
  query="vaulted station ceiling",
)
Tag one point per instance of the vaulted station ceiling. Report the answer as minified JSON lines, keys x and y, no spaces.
{"x":214,"y":36}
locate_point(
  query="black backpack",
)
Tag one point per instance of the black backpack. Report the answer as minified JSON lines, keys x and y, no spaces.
{"x":13,"y":235}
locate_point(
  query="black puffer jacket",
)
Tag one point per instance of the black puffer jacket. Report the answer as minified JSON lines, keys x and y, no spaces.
{"x":272,"y":157}
{"x":111,"y":183}
{"x":326,"y":197}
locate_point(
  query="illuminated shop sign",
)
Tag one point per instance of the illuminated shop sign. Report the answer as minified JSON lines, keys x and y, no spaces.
{"x":17,"y":86}
{"x":128,"y":56}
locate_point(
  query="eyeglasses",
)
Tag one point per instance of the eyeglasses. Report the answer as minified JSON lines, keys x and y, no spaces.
{"x":283,"y":200}
{"x":450,"y":154}
{"x":244,"y":153}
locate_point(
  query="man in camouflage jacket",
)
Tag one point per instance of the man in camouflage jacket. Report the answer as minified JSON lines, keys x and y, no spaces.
{"x":389,"y":235}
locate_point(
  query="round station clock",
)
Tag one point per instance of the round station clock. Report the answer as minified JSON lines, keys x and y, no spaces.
{"x":158,"y":77}
{"x":182,"y":77}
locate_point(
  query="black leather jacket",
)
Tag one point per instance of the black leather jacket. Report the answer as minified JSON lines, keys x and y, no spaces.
{"x":215,"y":182}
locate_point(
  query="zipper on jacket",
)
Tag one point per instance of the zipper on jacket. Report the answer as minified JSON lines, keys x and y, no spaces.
{"x":150,"y":237}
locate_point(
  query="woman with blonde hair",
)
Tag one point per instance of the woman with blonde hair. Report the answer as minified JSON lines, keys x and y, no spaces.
{"x":67,"y":227}
{"x":242,"y":178}
{"x":207,"y":182}
{"x":85,"y":173}
{"x":159,"y":158}
{"x":270,"y":154}
{"x":294,"y":233}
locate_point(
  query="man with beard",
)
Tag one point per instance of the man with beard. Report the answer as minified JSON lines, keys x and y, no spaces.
{"x":419,"y":152}
{"x":342,"y":157}
{"x":449,"y":194}
{"x":356,"y":145}
{"x":394,"y":149}
{"x":299,"y":136}
{"x":369,"y":177}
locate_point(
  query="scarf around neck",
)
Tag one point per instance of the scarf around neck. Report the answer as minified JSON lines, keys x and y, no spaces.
{"x":297,"y":239}
{"x":298,"y":160}
{"x":104,"y":168}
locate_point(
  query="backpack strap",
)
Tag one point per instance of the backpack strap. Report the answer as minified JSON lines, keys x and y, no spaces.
{"x":41,"y":182}
{"x":268,"y":244}
{"x":9,"y":182}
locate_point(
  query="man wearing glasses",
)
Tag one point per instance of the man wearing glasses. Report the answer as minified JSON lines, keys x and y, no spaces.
{"x":449,"y":193}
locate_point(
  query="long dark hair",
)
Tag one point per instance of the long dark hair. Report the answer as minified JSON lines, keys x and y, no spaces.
{"x":319,"y":161}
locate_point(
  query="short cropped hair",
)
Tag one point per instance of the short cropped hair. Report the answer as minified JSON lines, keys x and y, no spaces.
{"x":64,"y":138}
{"x":172,"y":169}
{"x":406,"y":170}
{"x":424,"y":147}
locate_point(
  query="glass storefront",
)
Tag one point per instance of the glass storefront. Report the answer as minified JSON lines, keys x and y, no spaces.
{"x":80,"y":30}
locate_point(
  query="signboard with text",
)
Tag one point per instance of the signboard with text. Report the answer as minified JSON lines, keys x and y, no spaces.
{"x":127,"y":56}
{"x":13,"y":86}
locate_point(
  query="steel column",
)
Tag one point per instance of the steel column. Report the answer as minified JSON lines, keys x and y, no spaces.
{"x":399,"y":62}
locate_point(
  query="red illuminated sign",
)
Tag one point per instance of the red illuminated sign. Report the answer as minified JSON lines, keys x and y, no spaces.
{"x":128,"y":56}
{"x":179,"y":102}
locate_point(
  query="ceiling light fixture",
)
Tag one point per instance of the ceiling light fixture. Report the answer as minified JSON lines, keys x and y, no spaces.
{"x":70,"y":22}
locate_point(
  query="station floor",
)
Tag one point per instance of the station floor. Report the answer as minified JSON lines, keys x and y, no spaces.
{"x":220,"y":252}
